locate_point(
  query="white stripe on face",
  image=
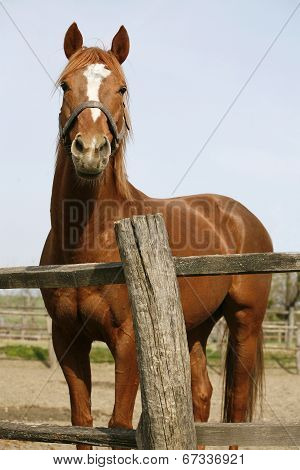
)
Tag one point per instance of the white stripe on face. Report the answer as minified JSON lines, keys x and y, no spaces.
{"x":94,"y":75}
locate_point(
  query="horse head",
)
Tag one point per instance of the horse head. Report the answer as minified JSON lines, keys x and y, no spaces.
{"x":93,"y":120}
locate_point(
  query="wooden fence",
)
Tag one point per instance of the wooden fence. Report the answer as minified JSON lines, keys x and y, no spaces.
{"x":220,"y":434}
{"x":27,"y":326}
{"x":26,"y":323}
{"x":150,"y":273}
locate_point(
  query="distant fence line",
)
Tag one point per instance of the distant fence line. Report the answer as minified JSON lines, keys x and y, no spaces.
{"x":280,"y":335}
{"x":285,"y":330}
{"x":23,"y":330}
{"x":20,"y":323}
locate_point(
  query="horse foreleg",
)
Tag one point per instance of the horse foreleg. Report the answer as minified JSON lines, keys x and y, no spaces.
{"x":201,"y":385}
{"x":126,"y":379}
{"x":73,"y":357}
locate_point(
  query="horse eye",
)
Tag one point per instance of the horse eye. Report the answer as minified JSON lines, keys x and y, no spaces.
{"x":64,"y":86}
{"x":123,"y":90}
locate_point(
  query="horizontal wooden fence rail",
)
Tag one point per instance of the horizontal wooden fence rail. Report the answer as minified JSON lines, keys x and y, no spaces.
{"x":22,"y":308}
{"x":25,"y":337}
{"x":20,"y":327}
{"x":68,"y":275}
{"x":103,"y":437}
{"x":22,"y":312}
{"x":248,"y":434}
{"x":211,"y":434}
{"x":76,"y":275}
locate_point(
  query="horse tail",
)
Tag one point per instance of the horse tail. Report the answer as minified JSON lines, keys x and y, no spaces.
{"x":256,"y":387}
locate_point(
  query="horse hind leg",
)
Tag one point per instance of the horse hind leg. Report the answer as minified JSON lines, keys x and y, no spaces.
{"x":244,"y":360}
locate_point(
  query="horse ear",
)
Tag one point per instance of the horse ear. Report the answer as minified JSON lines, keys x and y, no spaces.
{"x":120,"y":45}
{"x":73,"y":40}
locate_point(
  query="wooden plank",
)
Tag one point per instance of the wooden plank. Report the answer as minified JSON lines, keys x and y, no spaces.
{"x":290,"y":328}
{"x":103,"y":437}
{"x":75,"y":275}
{"x":249,"y":434}
{"x":212,"y":434}
{"x":21,"y":309}
{"x":68,"y":275}
{"x":273,"y":328}
{"x":19,"y":313}
{"x":27,"y":336}
{"x":52,"y":361}
{"x":276,"y":311}
{"x":269,"y":347}
{"x":298,"y":350}
{"x":163,"y":357}
{"x":21,"y":328}
{"x":237,"y":264}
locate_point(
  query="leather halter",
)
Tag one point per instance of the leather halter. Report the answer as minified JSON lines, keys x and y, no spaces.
{"x":117,"y":136}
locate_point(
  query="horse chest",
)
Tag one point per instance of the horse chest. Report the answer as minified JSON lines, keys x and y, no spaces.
{"x":96,"y":246}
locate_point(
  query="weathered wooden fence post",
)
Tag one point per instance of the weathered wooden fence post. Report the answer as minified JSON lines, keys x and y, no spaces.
{"x":52,"y":361}
{"x":290,"y":327}
{"x":167,"y":416}
{"x":298,"y":350}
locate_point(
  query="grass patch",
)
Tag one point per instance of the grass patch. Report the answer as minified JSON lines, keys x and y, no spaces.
{"x":213,"y":356}
{"x":98,"y":355}
{"x":101,"y":354}
{"x":32,"y":353}
{"x":283,"y":359}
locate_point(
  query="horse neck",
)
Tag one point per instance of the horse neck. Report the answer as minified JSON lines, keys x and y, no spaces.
{"x":68,"y":187}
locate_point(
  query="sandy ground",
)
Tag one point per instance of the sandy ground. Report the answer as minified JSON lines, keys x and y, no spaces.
{"x":33,"y":393}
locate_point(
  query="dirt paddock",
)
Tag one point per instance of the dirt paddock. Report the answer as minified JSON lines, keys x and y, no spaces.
{"x":31,"y":392}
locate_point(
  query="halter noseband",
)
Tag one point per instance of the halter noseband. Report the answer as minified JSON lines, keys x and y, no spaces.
{"x":117,"y":136}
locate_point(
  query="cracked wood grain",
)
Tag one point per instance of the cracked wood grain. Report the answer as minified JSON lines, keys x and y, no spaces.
{"x":167,"y":416}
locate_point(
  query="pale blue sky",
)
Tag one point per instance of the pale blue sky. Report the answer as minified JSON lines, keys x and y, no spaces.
{"x":187,"y":62}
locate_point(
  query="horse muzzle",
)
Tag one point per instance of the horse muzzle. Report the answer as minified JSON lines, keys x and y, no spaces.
{"x":91,"y":157}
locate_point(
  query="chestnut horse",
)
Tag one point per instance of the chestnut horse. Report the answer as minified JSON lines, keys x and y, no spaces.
{"x":90,"y":192}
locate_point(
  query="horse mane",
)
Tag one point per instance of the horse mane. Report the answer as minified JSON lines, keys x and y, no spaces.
{"x":81,"y":59}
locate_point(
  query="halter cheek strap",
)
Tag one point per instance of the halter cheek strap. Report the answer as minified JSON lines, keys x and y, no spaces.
{"x":117,"y":136}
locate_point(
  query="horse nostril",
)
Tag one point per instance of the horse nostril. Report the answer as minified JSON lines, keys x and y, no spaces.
{"x":79,"y":144}
{"x":103,"y":145}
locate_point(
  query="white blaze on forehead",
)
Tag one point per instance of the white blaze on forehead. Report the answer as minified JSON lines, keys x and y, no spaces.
{"x":95,"y":74}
